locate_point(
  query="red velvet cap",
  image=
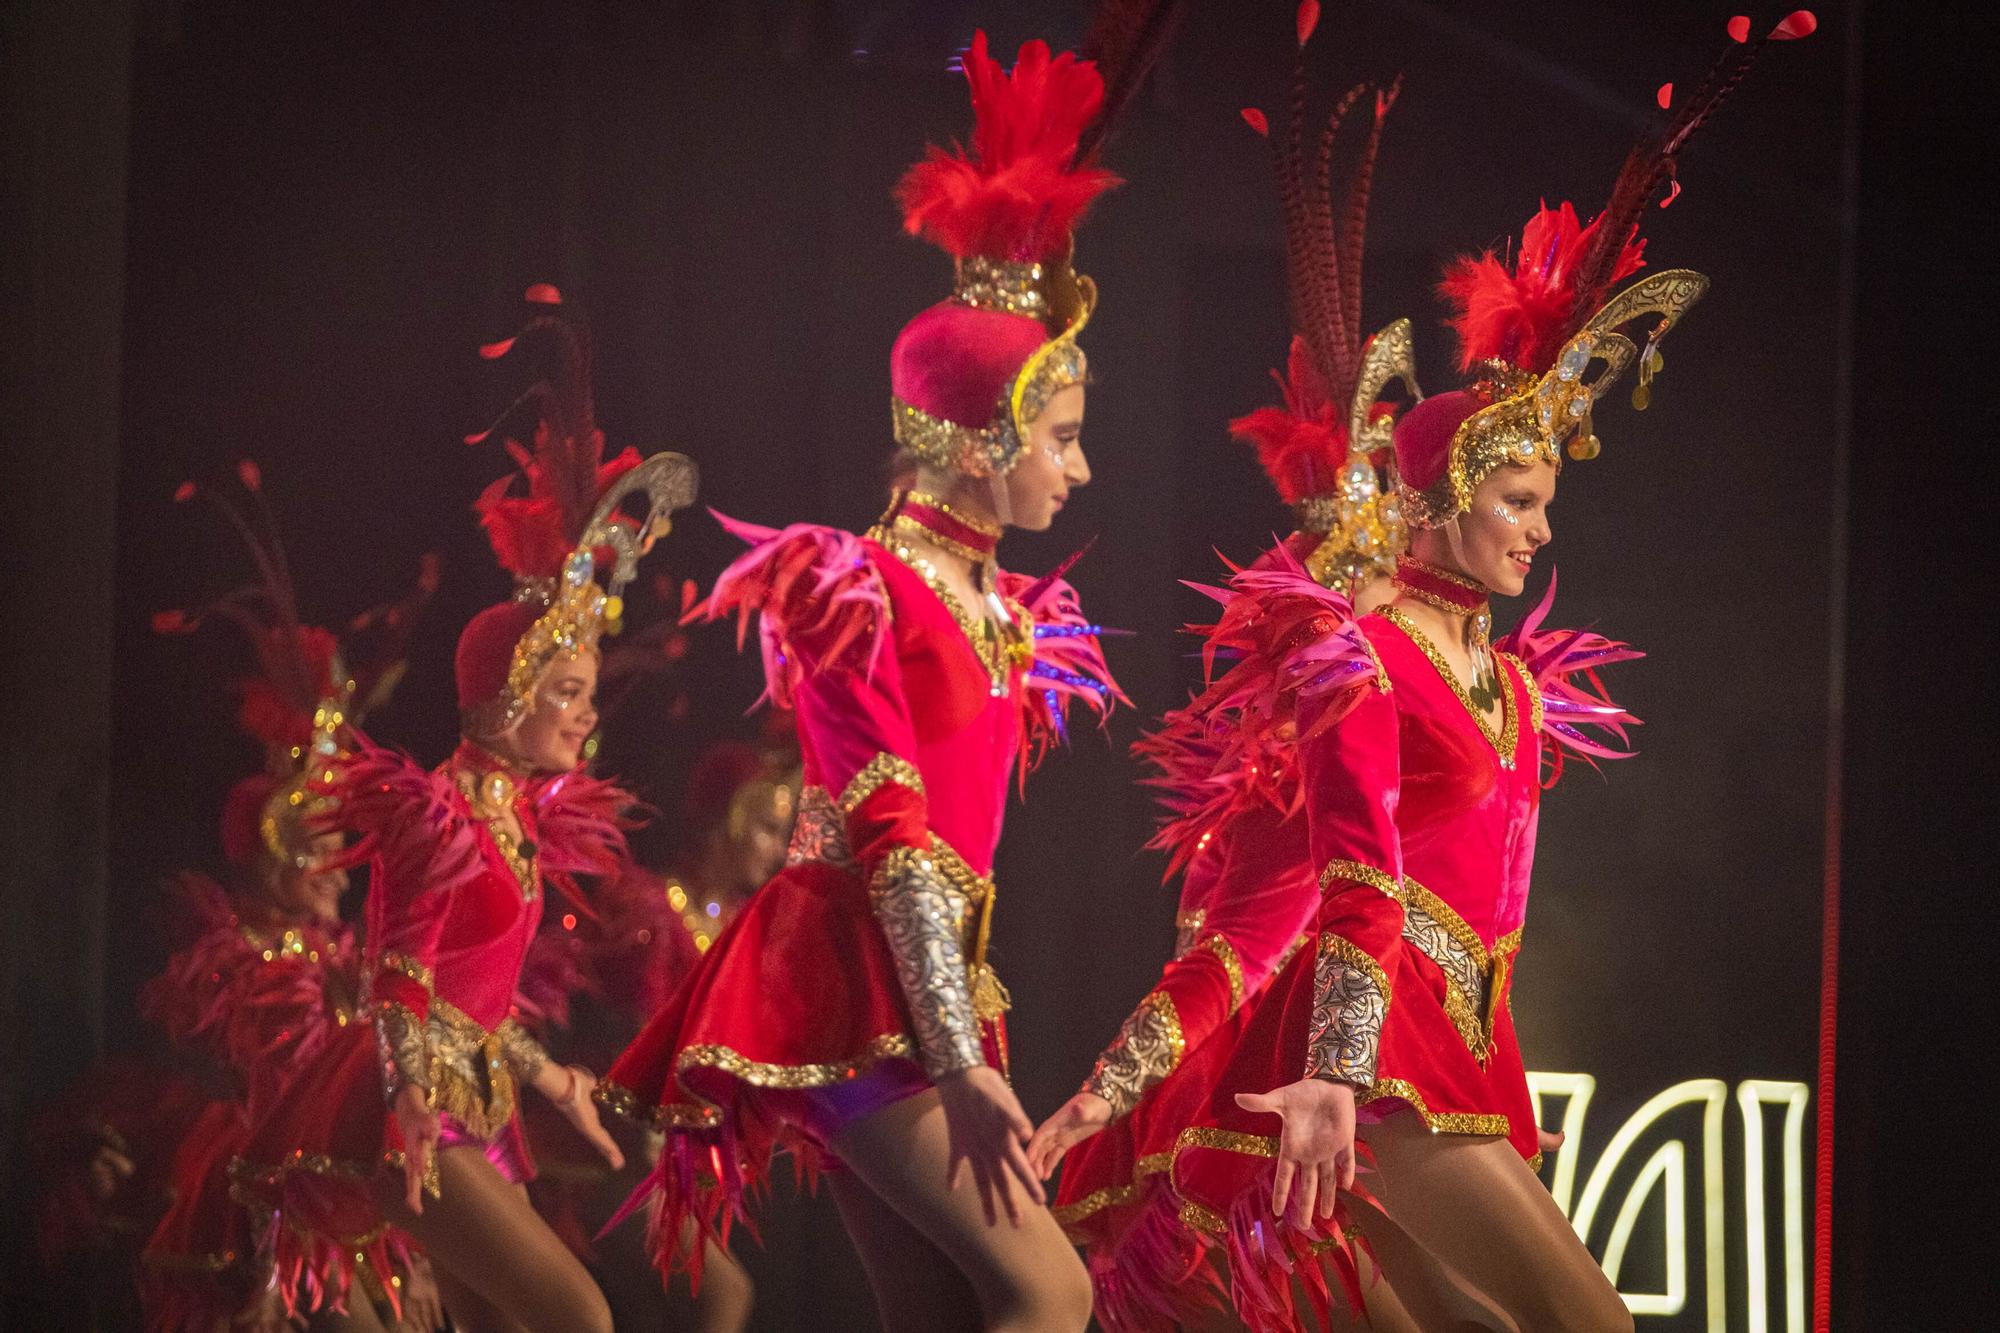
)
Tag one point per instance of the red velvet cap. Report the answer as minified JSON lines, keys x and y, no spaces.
{"x":1423,"y":436}
{"x":486,"y":651}
{"x":243,"y":819}
{"x":954,"y":361}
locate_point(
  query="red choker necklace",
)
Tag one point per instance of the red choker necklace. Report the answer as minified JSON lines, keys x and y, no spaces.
{"x":933,"y":520}
{"x":1448,"y":592}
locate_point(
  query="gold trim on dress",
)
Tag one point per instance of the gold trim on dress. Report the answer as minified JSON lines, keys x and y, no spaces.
{"x":1218,"y":944}
{"x":1505,"y":742}
{"x":1360,"y":873}
{"x":879,"y":772}
{"x":1113,"y":1196}
{"x":1443,"y":1122}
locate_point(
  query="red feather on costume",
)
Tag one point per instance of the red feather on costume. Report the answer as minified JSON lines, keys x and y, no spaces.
{"x":533,"y":534}
{"x":1302,"y":445}
{"x":1018,"y":194}
{"x":1525,"y":314}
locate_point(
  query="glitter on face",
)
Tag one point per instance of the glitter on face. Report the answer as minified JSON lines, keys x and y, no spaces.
{"x":1505,"y":514}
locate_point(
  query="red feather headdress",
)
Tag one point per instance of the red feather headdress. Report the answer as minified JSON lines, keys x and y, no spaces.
{"x":567,"y":529}
{"x":1536,"y":325}
{"x":310,"y":687}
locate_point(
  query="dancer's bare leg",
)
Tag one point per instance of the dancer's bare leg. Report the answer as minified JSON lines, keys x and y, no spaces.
{"x":1471,"y":1204}
{"x":493,"y":1252}
{"x":916,"y":1287}
{"x":1022,"y":1277}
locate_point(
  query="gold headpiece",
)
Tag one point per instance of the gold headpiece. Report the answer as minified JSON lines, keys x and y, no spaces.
{"x":1052,"y":293}
{"x":1361,"y":521}
{"x":578,"y":610}
{"x":1531,"y":417}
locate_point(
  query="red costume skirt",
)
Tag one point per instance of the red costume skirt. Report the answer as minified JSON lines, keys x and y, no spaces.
{"x":198,"y":1266}
{"x":1426,"y":1066}
{"x":792,"y":1025}
{"x":314,"y":1164}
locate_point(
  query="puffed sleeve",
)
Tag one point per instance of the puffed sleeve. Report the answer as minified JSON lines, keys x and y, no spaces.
{"x":824,"y":626}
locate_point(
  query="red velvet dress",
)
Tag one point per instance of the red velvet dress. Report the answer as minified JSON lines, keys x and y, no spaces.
{"x":858,"y":973}
{"x":255,"y":1005}
{"x":451,"y":910}
{"x":1410,"y":863}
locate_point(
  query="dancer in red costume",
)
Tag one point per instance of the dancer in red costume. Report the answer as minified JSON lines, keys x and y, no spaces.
{"x":1248,"y":889}
{"x":600,"y":979}
{"x":272,"y":972}
{"x":849,"y":1013}
{"x":1422,"y":751}
{"x":410,"y":1117}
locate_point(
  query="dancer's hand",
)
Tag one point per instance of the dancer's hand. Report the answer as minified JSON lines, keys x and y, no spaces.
{"x":1548,"y":1140}
{"x":988,"y":1133}
{"x":423,"y":1303}
{"x":1315,"y":1147}
{"x":569,"y":1087}
{"x":1080,"y":1117}
{"x":419,"y":1125}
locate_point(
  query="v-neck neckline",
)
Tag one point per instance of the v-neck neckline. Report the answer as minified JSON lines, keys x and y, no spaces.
{"x":994,"y":659}
{"x":1507,"y":740}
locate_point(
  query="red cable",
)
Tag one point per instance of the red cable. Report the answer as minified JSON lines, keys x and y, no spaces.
{"x":1829,"y":975}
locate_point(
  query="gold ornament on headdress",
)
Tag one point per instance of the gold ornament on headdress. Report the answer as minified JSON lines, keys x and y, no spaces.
{"x":1361,"y":520}
{"x":578,"y":609}
{"x":1532,"y":417}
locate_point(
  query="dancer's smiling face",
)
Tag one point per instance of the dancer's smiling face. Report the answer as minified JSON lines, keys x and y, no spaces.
{"x":563,"y":714}
{"x":1497,"y":538}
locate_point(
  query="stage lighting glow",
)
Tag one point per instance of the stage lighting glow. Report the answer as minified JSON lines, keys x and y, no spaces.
{"x":1666,"y":1171}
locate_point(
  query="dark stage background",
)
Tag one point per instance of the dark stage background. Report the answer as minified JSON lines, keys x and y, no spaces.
{"x":327,"y":209}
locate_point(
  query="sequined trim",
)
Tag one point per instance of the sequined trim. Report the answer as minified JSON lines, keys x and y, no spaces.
{"x":1113,"y":1196}
{"x":1508,"y":740}
{"x":471,"y":1078}
{"x":522,"y":1052}
{"x":1197,"y":1218}
{"x":406,"y":966}
{"x":1225,"y":953}
{"x":878,"y":772}
{"x":888,"y":1046}
{"x":1358,"y":872}
{"x":924,"y":917}
{"x":1005,"y":648}
{"x":1350,"y":1004}
{"x":1534,"y":691}
{"x":401,"y":1050}
{"x":1187,"y":929}
{"x":1147,"y":1048}
{"x":991,"y":450}
{"x":247,"y":1181}
{"x":1444,"y":1122}
{"x":998,"y":284}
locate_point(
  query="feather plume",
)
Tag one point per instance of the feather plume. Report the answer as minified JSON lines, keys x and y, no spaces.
{"x":1125,"y":40}
{"x":565,"y":471}
{"x":1020,"y":191}
{"x":1523,"y":313}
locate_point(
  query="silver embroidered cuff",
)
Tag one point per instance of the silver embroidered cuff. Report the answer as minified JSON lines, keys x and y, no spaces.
{"x":1146,"y":1050}
{"x":1350,"y":1001}
{"x":523,"y":1054}
{"x":924,"y":917}
{"x":405,"y":1054}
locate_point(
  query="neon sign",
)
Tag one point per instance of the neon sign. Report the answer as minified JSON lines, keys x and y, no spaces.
{"x":1666,"y":1172}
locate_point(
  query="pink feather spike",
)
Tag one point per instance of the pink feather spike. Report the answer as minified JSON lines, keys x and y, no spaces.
{"x":1578,"y":717}
{"x":1256,"y":120}
{"x":815,"y":593}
